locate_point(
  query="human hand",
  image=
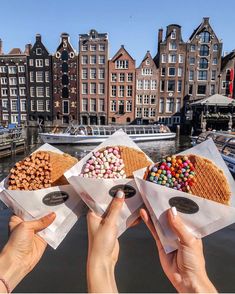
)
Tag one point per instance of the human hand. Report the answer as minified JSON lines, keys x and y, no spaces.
{"x":103,"y":247}
{"x":24,"y":248}
{"x":185,"y":267}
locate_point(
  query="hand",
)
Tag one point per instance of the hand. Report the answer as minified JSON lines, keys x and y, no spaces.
{"x":185,"y":267}
{"x":103,"y":247}
{"x":24,"y":248}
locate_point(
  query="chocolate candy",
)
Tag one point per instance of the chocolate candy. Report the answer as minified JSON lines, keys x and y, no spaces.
{"x":175,"y":172}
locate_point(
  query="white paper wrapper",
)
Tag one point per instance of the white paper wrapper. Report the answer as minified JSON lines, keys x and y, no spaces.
{"x":201,"y":216}
{"x":96,"y":192}
{"x":63,"y":200}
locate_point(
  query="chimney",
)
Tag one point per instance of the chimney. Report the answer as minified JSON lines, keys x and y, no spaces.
{"x":28,"y":47}
{"x":38,"y":37}
{"x":160,"y":35}
{"x":1,"y":51}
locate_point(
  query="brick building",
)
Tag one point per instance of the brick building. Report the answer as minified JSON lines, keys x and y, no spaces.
{"x":93,"y":78}
{"x":146,"y":91}
{"x":170,"y":60}
{"x":40,"y":88}
{"x":226,"y":77}
{"x":13,"y":86}
{"x":121,"y":95}
{"x":65,"y":63}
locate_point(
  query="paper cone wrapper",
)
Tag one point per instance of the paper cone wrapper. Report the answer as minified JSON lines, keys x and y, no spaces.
{"x":29,"y":205}
{"x":96,"y":193}
{"x":201,"y":216}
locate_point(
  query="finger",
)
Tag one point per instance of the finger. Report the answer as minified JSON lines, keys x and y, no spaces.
{"x":14,"y":222}
{"x":42,"y":223}
{"x":135,"y":223}
{"x":114,"y":208}
{"x":93,"y":223}
{"x":178,"y":227}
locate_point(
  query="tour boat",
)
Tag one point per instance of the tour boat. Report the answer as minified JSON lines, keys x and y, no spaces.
{"x":225,"y":142}
{"x":97,"y":134}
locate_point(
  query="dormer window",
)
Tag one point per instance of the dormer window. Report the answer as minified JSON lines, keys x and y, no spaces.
{"x":38,"y":51}
{"x":147,"y":62}
{"x":205,"y":37}
{"x":173,"y":34}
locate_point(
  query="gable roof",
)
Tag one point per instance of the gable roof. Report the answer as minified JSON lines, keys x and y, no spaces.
{"x":147,"y":56}
{"x":226,"y":59}
{"x":202,"y":28}
{"x":121,"y":52}
{"x":15,"y":51}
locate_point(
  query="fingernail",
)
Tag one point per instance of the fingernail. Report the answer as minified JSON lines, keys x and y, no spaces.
{"x":119,"y":194}
{"x":174,"y":211}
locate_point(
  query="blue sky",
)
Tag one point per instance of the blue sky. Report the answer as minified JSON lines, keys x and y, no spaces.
{"x":133,"y":23}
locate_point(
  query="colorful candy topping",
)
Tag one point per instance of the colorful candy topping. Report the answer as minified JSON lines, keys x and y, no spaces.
{"x":105,"y":164}
{"x":174,"y":172}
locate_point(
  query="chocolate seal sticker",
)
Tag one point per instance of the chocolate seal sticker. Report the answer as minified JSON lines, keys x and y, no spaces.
{"x":127,"y":189}
{"x":184,"y":205}
{"x":55,"y":198}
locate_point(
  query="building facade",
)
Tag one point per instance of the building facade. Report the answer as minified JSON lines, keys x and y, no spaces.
{"x":93,"y":78}
{"x":170,"y":60}
{"x":65,"y":63}
{"x":40,"y":101}
{"x":121,"y":94}
{"x":13,"y":86}
{"x":226,"y":77}
{"x":146,"y":91}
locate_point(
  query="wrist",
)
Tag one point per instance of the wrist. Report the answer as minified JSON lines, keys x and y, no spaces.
{"x":199,"y":284}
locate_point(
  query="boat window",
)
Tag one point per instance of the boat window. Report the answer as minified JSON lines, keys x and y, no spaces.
{"x":229,"y":151}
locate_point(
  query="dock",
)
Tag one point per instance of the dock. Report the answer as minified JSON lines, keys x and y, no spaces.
{"x":11,"y":144}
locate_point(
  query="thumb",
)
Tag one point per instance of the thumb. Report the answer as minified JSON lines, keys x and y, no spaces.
{"x":42,"y":223}
{"x":115,"y":208}
{"x":179,"y":228}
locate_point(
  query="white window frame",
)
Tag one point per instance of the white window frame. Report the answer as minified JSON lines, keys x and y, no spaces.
{"x":38,"y":62}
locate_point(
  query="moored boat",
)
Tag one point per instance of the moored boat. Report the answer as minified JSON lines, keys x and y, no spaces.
{"x":98,"y":134}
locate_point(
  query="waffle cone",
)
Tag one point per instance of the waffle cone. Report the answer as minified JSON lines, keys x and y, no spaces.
{"x":211,"y":182}
{"x":133,"y":160}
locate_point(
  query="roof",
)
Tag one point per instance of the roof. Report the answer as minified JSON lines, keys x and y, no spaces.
{"x":226,"y":59}
{"x":120,"y":52}
{"x":15,"y":51}
{"x":216,"y":99}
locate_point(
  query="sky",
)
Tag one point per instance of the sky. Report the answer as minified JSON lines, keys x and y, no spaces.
{"x":133,"y":23}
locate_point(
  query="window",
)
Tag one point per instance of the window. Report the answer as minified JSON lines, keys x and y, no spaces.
{"x":146,"y":84}
{"x":130,"y":77}
{"x":139,"y":84}
{"x":84,"y":73}
{"x":84,"y":47}
{"x":191,"y":75}
{"x":39,"y":63}
{"x":152,"y":99}
{"x":178,"y":105}
{"x":12,"y":81}
{"x":31,"y":62}
{"x":181,"y":58}
{"x":93,"y":88}
{"x":47,"y":105}
{"x":121,"y":77}
{"x":201,"y":89}
{"x":152,"y":112}
{"x":101,"y":105}
{"x":13,"y":92}
{"x":101,"y":73}
{"x":47,"y":92}
{"x":21,"y":68}
{"x":47,"y":79}
{"x":114,"y":91}
{"x":14,"y":105}
{"x":146,"y":112}
{"x":153,"y":85}
{"x":172,"y":58}
{"x":65,"y":67}
{"x":64,"y":55}
{"x":215,"y":61}
{"x":192,"y":60}
{"x":32,"y":91}
{"x":40,"y":91}
{"x":101,"y":59}
{"x":101,"y":47}
{"x":32,"y":105}
{"x":121,"y":64}
{"x":204,"y":50}
{"x":180,"y":72}
{"x":22,"y":91}
{"x":113,"y":106}
{"x":5,"y":117}
{"x":23,"y":105}
{"x":147,"y":62}
{"x":101,"y":89}
{"x":163,"y":58}
{"x":31,"y":76}
{"x":114,"y":77}
{"x":169,"y":104}
{"x":121,"y":91}
{"x":172,"y":46}
{"x":129,"y":91}
{"x":4,"y":104}
{"x":65,"y":107}
{"x":84,"y":104}
{"x":146,"y":99}
{"x":38,"y":51}
{"x":93,"y":59}
{"x":92,"y":47}
{"x":173,"y":34}
{"x":162,"y":86}
{"x":192,"y":48}
{"x":65,"y":92}
{"x":3,"y":81}
{"x":147,"y":71}
{"x":84,"y":88}
{"x":12,"y":69}
{"x":39,"y":76}
{"x":121,"y":107}
{"x":213,"y":75}
{"x":212,"y":89}
{"x":203,"y":63}
{"x":139,"y":99}
{"x":161,"y":105}
{"x":163,"y":71}
{"x":202,"y":75}
{"x":84,"y":59}
{"x":215,"y":47}
{"x":129,"y":106}
{"x":225,"y":84}
{"x":171,"y":86}
{"x":47,"y":63}
{"x":40,"y":105}
{"x":171,"y":71}
{"x":14,"y":118}
{"x":190,"y":89}
{"x":3,"y":69}
{"x":4,"y":92}
{"x":179,"y":86}
{"x":93,"y":104}
{"x":92,"y":73}
{"x":205,"y":37}
{"x":21,"y":80}
{"x":138,"y":112}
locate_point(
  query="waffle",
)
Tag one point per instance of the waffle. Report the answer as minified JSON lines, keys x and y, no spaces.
{"x":211,"y":182}
{"x":133,"y":160}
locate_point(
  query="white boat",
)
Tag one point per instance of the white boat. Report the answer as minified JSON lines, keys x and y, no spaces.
{"x":98,"y":134}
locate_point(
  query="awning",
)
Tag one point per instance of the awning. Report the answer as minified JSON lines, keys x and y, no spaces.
{"x":213,"y":100}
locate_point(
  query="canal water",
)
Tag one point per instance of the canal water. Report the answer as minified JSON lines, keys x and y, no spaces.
{"x":138,"y":268}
